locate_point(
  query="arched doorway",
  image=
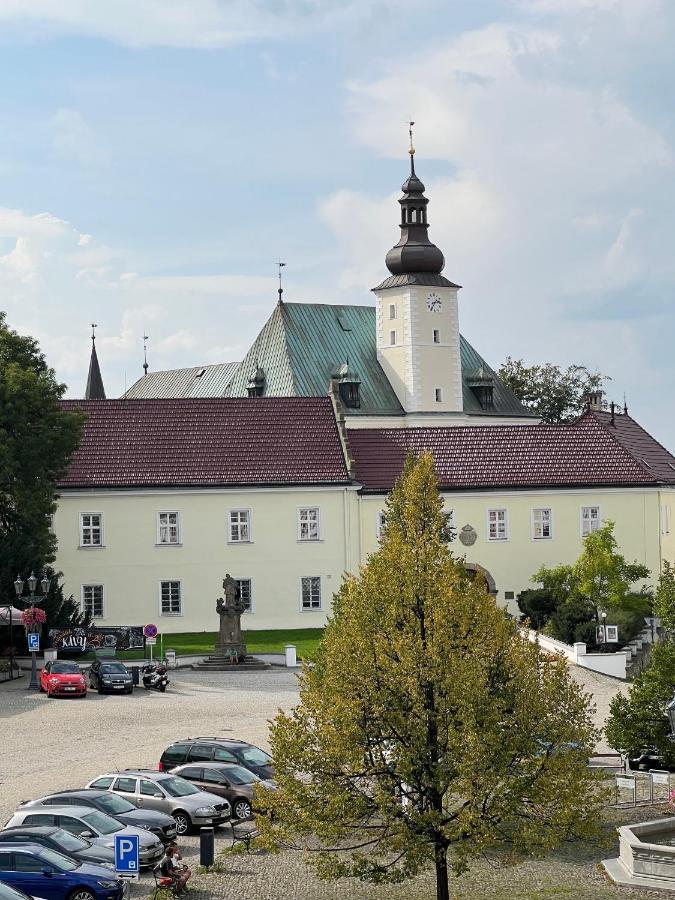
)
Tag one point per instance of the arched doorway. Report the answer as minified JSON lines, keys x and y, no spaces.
{"x":474,"y":570}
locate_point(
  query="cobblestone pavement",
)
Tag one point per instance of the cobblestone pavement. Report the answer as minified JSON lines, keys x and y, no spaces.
{"x":55,"y":744}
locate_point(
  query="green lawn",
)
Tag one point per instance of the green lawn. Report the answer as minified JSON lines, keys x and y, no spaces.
{"x":196,"y":643}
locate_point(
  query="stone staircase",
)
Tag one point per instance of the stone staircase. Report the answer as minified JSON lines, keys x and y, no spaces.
{"x":640,"y":649}
{"x":224,"y":664}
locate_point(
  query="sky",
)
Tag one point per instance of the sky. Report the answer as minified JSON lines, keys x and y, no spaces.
{"x":157,"y":159}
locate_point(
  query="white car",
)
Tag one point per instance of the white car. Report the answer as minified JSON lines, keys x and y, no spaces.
{"x":91,"y":824}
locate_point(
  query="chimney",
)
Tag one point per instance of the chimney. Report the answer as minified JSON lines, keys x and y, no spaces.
{"x":612,"y":408}
{"x":594,"y":400}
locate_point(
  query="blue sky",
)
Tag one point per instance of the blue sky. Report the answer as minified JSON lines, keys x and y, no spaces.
{"x":156,"y":159}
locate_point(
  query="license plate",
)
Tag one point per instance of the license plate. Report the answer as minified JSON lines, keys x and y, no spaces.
{"x":70,"y":688}
{"x":118,"y":687}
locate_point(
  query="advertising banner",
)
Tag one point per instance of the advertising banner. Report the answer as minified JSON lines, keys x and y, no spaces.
{"x":83,"y":640}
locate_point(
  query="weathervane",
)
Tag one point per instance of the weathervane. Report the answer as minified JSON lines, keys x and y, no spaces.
{"x":280,"y":264}
{"x":145,"y":353}
{"x":93,"y":333}
{"x":411,"y":149}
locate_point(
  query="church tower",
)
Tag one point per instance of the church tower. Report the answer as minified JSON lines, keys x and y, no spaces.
{"x":417,"y":315}
{"x":94,"y":389}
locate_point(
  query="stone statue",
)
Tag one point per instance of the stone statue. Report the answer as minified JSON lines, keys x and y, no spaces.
{"x":229,"y":608}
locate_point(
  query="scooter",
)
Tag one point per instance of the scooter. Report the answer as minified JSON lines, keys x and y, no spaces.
{"x":155,"y":677}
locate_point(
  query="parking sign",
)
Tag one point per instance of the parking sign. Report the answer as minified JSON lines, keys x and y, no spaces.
{"x":34,"y":641}
{"x":127,"y":856}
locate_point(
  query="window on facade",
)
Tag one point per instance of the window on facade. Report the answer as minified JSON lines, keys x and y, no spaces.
{"x":590,"y":520}
{"x":438,"y":393}
{"x":308,"y":523}
{"x":171,"y":601}
{"x":168,"y":531}
{"x":437,"y":336}
{"x":240,"y":526}
{"x":311,"y":592}
{"x":497,"y":525}
{"x":91,"y":530}
{"x":92,"y":600}
{"x":392,"y":338}
{"x":50,"y":522}
{"x":665,"y":520}
{"x":245,"y":595}
{"x":542,"y":524}
{"x":392,"y":310}
{"x":380,"y":522}
{"x":449,"y":530}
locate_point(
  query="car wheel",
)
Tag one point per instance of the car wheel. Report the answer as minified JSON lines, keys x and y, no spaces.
{"x":81,"y":894}
{"x":182,"y":821}
{"x":130,"y":691}
{"x":241,"y":809}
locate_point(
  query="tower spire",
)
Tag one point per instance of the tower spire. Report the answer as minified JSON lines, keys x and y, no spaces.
{"x":145,"y":353}
{"x":94,"y":389}
{"x":280,"y":265}
{"x":411,"y":149}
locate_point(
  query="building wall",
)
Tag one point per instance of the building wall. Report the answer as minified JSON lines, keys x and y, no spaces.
{"x":131,"y":565}
{"x":667,"y":502}
{"x":513,"y":561}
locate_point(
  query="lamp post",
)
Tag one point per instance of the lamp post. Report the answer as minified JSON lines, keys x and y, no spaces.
{"x":32,"y":601}
{"x":670,"y":711}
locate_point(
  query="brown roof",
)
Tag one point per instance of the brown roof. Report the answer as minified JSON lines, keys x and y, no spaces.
{"x":205,"y":442}
{"x":586,"y":453}
{"x":652,"y":456}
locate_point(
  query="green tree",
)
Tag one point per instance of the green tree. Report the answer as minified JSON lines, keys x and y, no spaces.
{"x":664,"y":598}
{"x":428,"y":730}
{"x":639,"y":719}
{"x":554,"y":394}
{"x":37,"y":438}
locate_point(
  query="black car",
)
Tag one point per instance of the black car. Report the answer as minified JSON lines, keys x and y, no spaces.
{"x":216,"y":749}
{"x":159,"y":823}
{"x":649,"y":758}
{"x":62,"y":841}
{"x":111,"y":676}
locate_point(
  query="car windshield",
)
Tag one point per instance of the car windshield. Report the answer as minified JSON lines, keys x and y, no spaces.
{"x":256,"y":757}
{"x":114,"y":805}
{"x":240,"y":775}
{"x":58,"y":860}
{"x":65,"y":668}
{"x":69,"y":842}
{"x":178,"y":787}
{"x":101,"y":823}
{"x":7,"y":892}
{"x":113,"y":669}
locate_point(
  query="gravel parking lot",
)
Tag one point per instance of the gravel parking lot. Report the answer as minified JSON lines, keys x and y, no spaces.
{"x":53,"y":744}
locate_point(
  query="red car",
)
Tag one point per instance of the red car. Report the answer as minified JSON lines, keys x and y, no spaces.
{"x":62,"y":679}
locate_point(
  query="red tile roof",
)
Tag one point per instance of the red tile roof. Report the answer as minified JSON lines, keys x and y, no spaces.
{"x":652,"y":456}
{"x":207,"y":442}
{"x":586,"y":453}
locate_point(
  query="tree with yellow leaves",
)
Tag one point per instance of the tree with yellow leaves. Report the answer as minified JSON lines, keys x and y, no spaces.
{"x":428,"y":730}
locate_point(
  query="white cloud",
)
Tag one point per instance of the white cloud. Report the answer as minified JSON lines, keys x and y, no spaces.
{"x":73,"y":139}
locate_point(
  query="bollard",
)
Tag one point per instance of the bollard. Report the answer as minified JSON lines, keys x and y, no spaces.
{"x":206,"y":843}
{"x":170,"y":657}
{"x":291,"y":658}
{"x":135,"y":679}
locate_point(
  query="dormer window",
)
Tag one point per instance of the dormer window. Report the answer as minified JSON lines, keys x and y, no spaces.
{"x":482,"y":383}
{"x":256,"y":384}
{"x":349,"y":387}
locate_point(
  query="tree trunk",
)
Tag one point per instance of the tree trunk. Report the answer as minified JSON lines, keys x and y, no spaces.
{"x":441,"y":859}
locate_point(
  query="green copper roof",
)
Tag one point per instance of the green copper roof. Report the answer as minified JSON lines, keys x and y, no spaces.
{"x":303,"y":344}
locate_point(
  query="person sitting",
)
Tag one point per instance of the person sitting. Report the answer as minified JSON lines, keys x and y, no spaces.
{"x":170,"y":867}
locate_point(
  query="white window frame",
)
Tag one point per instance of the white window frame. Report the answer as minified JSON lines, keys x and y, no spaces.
{"x":251,"y":609}
{"x":82,"y":602}
{"x":249,"y":517}
{"x":309,"y":523}
{"x":498,"y":509}
{"x":535,"y":523}
{"x":392,"y":311}
{"x":101,"y":543}
{"x":392,"y":338}
{"x":380,"y":522}
{"x":168,"y":512}
{"x":583,"y":519}
{"x":438,"y":394}
{"x":171,"y":615}
{"x":436,"y":333}
{"x":311,"y":609}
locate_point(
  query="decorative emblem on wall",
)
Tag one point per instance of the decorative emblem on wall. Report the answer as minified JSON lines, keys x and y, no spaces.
{"x":468,"y":536}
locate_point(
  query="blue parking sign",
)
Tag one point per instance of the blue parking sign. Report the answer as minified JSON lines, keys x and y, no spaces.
{"x":34,"y":641}
{"x":127,"y":855}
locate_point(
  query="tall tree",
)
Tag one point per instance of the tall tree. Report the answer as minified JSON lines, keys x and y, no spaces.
{"x":554,"y":394}
{"x":664,"y":599}
{"x":427,"y":727}
{"x":37,"y":438}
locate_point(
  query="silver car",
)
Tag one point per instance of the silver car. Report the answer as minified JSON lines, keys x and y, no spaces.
{"x":150,"y":789}
{"x":91,"y":824}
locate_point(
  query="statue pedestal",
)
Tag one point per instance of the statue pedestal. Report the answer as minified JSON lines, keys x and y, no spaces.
{"x":230,"y":651}
{"x":233,"y":652}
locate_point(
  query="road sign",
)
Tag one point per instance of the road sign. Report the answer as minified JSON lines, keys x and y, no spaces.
{"x":151,"y":641}
{"x":150,"y":631}
{"x":127,"y":856}
{"x":34,"y":641}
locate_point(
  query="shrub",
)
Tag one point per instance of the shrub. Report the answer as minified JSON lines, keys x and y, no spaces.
{"x":537,"y":605}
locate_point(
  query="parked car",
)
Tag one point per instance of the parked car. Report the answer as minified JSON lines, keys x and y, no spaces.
{"x":62,"y":679}
{"x":228,"y":780}
{"x":150,"y":789}
{"x":648,"y":758}
{"x":160,"y":824}
{"x":215,"y":749}
{"x":7,"y":892}
{"x":110,"y":675}
{"x":41,"y":872}
{"x":91,"y":824}
{"x":62,"y":841}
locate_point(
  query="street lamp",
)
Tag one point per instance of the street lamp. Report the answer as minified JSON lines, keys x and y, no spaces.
{"x":32,"y":601}
{"x":670,"y":711}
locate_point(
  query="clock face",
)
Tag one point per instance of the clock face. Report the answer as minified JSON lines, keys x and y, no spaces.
{"x":434,"y":302}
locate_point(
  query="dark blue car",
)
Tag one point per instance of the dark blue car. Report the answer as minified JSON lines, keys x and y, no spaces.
{"x":41,"y":872}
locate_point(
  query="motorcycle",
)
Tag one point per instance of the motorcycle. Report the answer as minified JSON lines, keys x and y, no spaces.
{"x":155,"y":677}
